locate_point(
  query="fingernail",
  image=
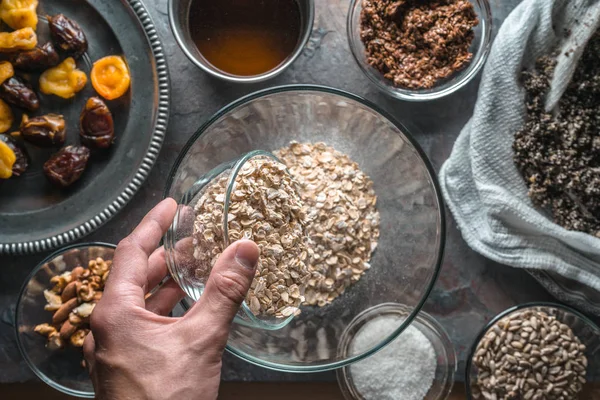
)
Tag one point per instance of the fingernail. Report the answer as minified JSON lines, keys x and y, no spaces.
{"x":246,"y":254}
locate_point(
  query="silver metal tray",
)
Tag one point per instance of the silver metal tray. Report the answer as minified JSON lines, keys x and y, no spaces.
{"x":34,"y":215}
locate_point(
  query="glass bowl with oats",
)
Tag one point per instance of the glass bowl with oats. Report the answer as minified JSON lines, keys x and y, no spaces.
{"x":535,"y":351}
{"x":370,"y":221}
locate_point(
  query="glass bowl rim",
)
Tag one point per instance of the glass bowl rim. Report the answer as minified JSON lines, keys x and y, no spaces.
{"x":433,"y":180}
{"x":343,"y":374}
{"x":498,"y":317}
{"x":465,"y":75}
{"x":47,"y":380}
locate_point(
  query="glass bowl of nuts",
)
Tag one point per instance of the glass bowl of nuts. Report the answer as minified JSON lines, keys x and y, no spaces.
{"x":374,"y":219}
{"x":253,"y":197}
{"x":53,"y":310}
{"x":535,"y":351}
{"x":420,"y":50}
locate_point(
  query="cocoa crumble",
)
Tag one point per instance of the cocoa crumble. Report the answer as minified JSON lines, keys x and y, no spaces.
{"x":558,"y":153}
{"x":417,"y":43}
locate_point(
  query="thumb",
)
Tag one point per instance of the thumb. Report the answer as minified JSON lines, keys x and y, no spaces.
{"x":226,"y":288}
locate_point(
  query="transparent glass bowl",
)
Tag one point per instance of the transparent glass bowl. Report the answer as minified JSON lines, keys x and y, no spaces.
{"x":480,"y":49}
{"x":409,"y":254}
{"x":60,"y":369}
{"x":180,"y":250}
{"x":444,"y":350}
{"x":587,"y":331}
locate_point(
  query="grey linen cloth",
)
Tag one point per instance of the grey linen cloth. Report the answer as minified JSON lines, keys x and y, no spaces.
{"x":482,"y":187}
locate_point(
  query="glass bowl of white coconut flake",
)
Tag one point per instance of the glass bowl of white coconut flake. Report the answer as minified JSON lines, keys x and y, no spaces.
{"x":419,"y":364}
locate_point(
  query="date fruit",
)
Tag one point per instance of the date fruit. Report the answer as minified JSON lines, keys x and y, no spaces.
{"x":96,"y":124}
{"x":44,"y":131}
{"x":39,"y":58}
{"x":22,"y":158}
{"x":66,"y":167}
{"x":68,"y":35}
{"x":17,"y":92}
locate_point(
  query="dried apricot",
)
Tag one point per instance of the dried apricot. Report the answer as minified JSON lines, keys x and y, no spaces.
{"x":64,"y":80}
{"x":6,"y":71}
{"x":6,"y":117}
{"x":110,"y":77}
{"x":22,"y":39}
{"x":19,"y":13}
{"x":7,"y":160}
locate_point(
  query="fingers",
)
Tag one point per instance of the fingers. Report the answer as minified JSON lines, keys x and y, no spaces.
{"x":157,"y":268}
{"x":147,"y":235}
{"x":225,"y":290}
{"x":157,"y":263}
{"x":165,"y":298}
{"x":89,"y":347}
{"x":129,"y":273}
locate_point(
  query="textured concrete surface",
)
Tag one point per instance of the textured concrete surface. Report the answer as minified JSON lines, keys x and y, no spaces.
{"x":470,"y":290}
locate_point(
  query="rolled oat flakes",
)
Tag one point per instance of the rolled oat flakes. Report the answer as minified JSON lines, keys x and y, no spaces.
{"x":264,"y":207}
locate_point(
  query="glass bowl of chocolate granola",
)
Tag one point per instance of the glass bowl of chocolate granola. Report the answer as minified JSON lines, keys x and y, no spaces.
{"x":374,"y":219}
{"x":420,"y":50}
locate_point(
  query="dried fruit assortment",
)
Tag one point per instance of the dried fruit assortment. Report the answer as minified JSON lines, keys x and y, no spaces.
{"x":316,"y":226}
{"x":56,"y":61}
{"x":530,"y":355}
{"x":72,"y":300}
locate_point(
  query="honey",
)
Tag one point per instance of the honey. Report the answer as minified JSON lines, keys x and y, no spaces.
{"x":245,"y":37}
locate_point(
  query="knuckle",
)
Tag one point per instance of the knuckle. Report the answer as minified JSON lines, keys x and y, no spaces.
{"x":98,"y":319}
{"x":88,"y":347}
{"x":124,"y":243}
{"x":231,"y":286}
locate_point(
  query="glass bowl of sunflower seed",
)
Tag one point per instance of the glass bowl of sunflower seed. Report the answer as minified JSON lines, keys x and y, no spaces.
{"x":534,"y":351}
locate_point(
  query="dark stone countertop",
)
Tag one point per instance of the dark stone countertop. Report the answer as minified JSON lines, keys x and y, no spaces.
{"x":470,"y":290}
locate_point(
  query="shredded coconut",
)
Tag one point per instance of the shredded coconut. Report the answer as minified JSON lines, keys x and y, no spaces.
{"x":404,"y":369}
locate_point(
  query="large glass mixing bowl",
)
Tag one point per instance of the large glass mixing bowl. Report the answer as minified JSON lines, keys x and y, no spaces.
{"x":408,"y":258}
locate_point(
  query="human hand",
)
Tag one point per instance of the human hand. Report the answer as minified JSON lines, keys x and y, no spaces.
{"x":134,"y":350}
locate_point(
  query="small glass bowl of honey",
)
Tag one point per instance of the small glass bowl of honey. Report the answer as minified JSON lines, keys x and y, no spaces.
{"x":242,"y":41}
